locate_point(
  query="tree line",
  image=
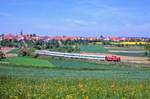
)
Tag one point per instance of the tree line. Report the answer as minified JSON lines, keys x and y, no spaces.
{"x":27,"y":47}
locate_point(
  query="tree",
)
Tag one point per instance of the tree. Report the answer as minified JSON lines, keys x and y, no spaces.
{"x":24,"y":51}
{"x":2,"y":55}
{"x":147,"y":48}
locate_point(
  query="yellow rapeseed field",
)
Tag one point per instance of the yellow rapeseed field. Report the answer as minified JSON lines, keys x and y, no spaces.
{"x":130,"y":43}
{"x":133,"y":43}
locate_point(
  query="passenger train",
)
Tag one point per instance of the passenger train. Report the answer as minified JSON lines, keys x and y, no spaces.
{"x":78,"y":56}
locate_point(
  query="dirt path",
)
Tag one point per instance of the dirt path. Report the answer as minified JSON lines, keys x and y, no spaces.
{"x":140,"y":60}
{"x":8,"y":49}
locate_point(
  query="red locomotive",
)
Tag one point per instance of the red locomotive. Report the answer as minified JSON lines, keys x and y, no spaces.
{"x":113,"y":58}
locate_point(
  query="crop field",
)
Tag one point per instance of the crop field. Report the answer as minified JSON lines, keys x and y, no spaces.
{"x":126,"y":73}
{"x":132,"y":48}
{"x":74,"y":79}
{"x":129,"y":43}
{"x":93,"y":48}
{"x":48,"y":62}
{"x":28,"y":61}
{"x":142,"y":54}
{"x":72,"y":88}
{"x":124,"y":51}
{"x":77,"y":64}
{"x":59,"y":78}
{"x":127,"y":51}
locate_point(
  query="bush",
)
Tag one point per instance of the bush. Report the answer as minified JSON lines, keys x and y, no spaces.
{"x":147,"y":48}
{"x":27,"y":52}
{"x":2,"y":55}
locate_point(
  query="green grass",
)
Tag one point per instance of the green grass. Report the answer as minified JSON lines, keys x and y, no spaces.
{"x":61,"y":63}
{"x":133,"y":73}
{"x":140,"y":54}
{"x":72,"y":79}
{"x":129,"y":54}
{"x":85,"y":65}
{"x":72,"y":88}
{"x":127,"y":48}
{"x":133,"y":49}
{"x":71,"y":68}
{"x":93,"y":48}
{"x":28,"y":61}
{"x":71,"y":63}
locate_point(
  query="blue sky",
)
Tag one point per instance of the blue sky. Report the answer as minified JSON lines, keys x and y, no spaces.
{"x":76,"y":17}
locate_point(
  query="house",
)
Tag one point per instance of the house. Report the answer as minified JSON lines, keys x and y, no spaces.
{"x":9,"y":37}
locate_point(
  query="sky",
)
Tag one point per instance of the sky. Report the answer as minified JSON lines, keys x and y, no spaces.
{"x":130,"y":18}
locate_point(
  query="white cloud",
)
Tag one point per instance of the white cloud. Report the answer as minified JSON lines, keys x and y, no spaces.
{"x":80,"y":22}
{"x":103,"y":13}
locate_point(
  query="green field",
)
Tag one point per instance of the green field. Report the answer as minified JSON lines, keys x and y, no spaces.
{"x":93,"y":48}
{"x":130,"y":54}
{"x":72,"y":68}
{"x":82,"y":65}
{"x":130,"y":51}
{"x":102,"y":49}
{"x":133,"y":48}
{"x":72,"y":79}
{"x":62,"y":63}
{"x":72,"y":88}
{"x":134,"y":73}
{"x":28,"y":61}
